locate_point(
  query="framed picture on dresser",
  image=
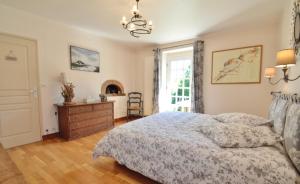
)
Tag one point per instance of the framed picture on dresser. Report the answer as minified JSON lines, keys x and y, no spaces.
{"x":237,"y":66}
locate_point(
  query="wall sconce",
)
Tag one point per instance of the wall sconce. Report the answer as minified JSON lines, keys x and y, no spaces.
{"x":285,"y":59}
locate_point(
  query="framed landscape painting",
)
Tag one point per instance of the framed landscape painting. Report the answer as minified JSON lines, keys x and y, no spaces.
{"x":84,"y":59}
{"x":237,"y":66}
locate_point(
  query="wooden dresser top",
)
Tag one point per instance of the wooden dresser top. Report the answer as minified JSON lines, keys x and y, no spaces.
{"x":82,"y":104}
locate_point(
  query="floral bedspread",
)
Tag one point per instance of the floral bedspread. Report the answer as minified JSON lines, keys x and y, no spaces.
{"x":168,"y":148}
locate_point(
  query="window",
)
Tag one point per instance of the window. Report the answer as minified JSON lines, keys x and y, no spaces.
{"x":179,"y":72}
{"x":176,"y":83}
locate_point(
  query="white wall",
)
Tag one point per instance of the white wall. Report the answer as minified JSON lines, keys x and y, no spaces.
{"x":219,"y":98}
{"x":285,"y":36}
{"x":117,"y":60}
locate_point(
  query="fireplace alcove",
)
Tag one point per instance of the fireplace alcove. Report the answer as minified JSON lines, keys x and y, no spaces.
{"x":112,"y":88}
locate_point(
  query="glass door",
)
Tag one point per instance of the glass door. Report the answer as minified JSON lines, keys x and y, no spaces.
{"x":179,"y":85}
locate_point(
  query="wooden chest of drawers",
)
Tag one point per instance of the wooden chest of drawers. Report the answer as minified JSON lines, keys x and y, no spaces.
{"x":80,"y":120}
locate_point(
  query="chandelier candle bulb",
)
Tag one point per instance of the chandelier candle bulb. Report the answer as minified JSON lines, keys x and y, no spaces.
{"x":150,"y":23}
{"x":134,"y":10}
{"x":123,"y":21}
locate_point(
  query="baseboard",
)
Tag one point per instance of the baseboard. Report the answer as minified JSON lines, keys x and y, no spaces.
{"x":130,"y":118}
{"x":50,"y":136}
{"x":117,"y":120}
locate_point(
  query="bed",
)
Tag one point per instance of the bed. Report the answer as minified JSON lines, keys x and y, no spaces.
{"x":169,"y":148}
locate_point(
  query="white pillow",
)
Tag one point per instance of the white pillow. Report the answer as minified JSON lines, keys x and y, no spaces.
{"x":242,"y":118}
{"x":233,"y":135}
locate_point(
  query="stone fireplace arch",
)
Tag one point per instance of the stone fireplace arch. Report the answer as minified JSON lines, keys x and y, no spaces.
{"x":112,"y":88}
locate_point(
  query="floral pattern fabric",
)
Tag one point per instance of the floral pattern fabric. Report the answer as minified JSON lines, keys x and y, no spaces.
{"x":292,"y":134}
{"x":235,"y":135}
{"x":197,"y":79}
{"x":167,"y":148}
{"x":156,"y":80}
{"x":280,"y":115}
{"x":242,"y":118}
{"x":272,"y":107}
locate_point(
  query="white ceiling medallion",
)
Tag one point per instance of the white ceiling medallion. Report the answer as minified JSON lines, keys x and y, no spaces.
{"x":137,"y":25}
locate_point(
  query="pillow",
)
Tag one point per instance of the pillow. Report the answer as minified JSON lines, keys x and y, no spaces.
{"x":292,"y":134}
{"x":242,"y":118}
{"x":280,"y":115}
{"x":233,"y":135}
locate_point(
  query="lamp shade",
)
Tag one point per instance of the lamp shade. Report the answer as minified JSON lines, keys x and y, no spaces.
{"x":270,"y":72}
{"x":286,"y":58}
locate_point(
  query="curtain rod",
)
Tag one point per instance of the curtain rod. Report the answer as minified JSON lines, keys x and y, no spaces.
{"x":175,"y":46}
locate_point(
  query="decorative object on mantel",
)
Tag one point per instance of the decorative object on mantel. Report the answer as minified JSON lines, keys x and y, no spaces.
{"x":68,"y":93}
{"x":103,"y":98}
{"x":67,"y":89}
{"x":137,"y":25}
{"x":84,"y":59}
{"x":237,"y":66}
{"x":296,"y":26}
{"x":285,"y":59}
{"x":112,"y":88}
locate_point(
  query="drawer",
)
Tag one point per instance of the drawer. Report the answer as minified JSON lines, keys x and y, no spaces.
{"x":99,"y":107}
{"x":91,"y":122}
{"x":87,"y":131}
{"x":80,"y":109}
{"x":89,"y":115}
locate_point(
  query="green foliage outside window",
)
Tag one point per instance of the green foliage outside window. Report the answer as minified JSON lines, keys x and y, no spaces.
{"x":179,"y":92}
{"x":187,"y":83}
{"x":173,"y":100}
{"x":180,"y":83}
{"x":186,"y":92}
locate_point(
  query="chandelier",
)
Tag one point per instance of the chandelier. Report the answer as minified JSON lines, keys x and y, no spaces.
{"x":137,"y":25}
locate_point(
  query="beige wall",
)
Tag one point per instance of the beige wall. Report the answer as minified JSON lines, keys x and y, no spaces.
{"x":285,"y":36}
{"x":145,"y":76}
{"x":250,"y":98}
{"x":117,"y":60}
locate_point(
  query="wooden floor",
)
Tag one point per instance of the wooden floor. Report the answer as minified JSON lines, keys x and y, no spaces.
{"x":57,"y":161}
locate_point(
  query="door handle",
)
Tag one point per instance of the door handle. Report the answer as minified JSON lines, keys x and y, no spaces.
{"x":34,"y":92}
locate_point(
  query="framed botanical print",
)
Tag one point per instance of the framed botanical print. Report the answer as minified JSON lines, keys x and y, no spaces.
{"x":84,"y":59}
{"x":237,"y":66}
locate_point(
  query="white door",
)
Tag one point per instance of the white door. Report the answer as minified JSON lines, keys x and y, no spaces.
{"x":19,"y":102}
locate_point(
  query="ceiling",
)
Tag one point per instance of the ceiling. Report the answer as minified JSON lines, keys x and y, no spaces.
{"x":173,"y":20}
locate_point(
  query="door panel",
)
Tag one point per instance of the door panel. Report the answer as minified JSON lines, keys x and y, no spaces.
{"x":19,"y":102}
{"x":14,"y":99}
{"x":11,"y":124}
{"x":13,"y":58}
